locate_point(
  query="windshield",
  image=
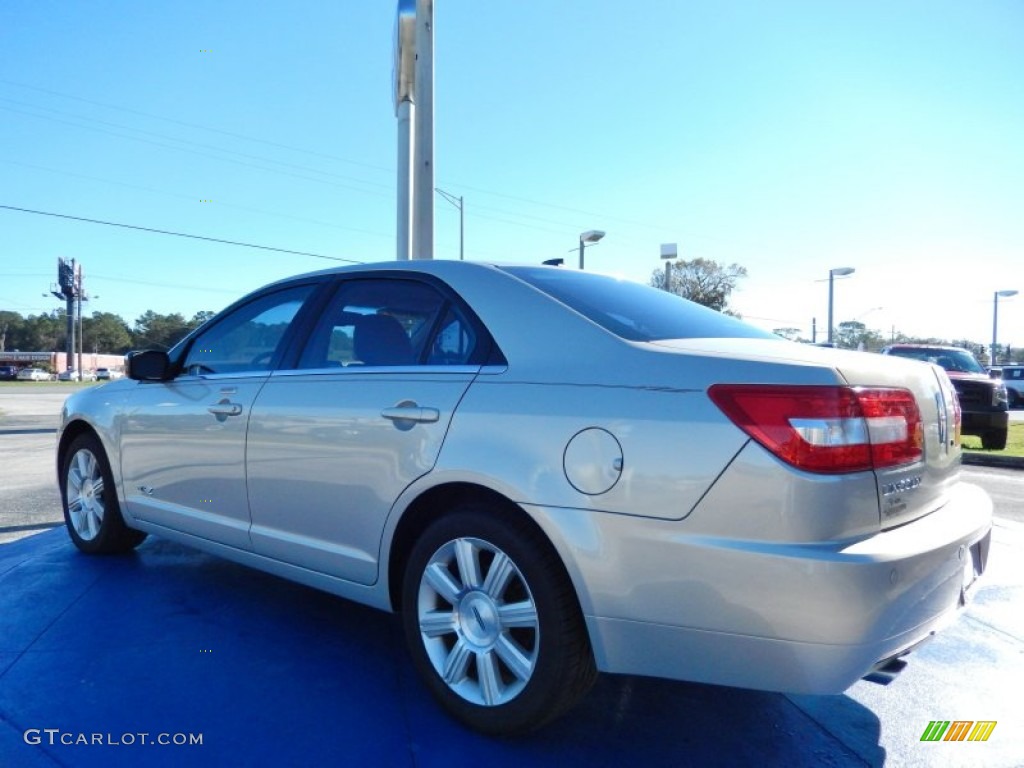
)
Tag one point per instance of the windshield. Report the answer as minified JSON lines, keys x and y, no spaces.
{"x":633,"y":311}
{"x":955,"y":360}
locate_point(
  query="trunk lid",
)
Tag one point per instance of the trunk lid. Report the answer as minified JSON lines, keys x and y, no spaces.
{"x":905,"y":492}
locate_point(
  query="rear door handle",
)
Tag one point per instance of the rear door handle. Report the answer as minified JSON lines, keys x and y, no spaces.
{"x":411,"y":413}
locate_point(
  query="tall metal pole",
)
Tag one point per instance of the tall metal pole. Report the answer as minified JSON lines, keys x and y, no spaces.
{"x":995,"y":322}
{"x":830,"y":282}
{"x":995,"y":328}
{"x":405,"y":111}
{"x":669,"y":251}
{"x":78,"y":296}
{"x":842,"y":272}
{"x":423,"y":131}
{"x":590,"y":236}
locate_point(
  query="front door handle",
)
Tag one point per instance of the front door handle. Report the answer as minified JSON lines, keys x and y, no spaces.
{"x":224,"y":408}
{"x":411,"y":413}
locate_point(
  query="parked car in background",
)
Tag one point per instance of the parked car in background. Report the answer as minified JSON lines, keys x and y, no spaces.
{"x":108,"y":374}
{"x":548,"y":473}
{"x":983,"y":399}
{"x":72,"y":375}
{"x":1012,"y":377}
{"x":34,"y":374}
{"x":8,"y":372}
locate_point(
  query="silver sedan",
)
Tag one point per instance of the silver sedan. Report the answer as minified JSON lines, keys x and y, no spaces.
{"x":548,"y":473}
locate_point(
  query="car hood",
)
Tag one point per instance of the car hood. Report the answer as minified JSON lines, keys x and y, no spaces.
{"x":967,"y":376}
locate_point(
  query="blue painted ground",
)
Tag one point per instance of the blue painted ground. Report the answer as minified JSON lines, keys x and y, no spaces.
{"x":169,"y":642}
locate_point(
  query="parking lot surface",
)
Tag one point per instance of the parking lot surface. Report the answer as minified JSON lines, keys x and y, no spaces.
{"x":133,"y":660}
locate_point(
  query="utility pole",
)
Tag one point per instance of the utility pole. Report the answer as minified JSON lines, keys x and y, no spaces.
{"x":70,"y":289}
{"x":66,"y":289}
{"x":79,"y":298}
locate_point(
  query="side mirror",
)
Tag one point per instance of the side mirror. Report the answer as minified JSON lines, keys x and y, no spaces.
{"x":148,"y":365}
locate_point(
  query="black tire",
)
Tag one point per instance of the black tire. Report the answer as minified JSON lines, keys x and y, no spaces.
{"x":91,"y":511}
{"x":537,"y":658}
{"x":994,"y":440}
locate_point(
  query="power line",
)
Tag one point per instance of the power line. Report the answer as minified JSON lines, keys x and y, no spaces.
{"x":178,"y":234}
{"x":220,"y":157}
{"x":482,"y":190}
{"x":200,"y":127}
{"x":181,"y":196}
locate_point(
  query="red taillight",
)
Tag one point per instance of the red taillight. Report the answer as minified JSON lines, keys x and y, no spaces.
{"x":827,"y":429}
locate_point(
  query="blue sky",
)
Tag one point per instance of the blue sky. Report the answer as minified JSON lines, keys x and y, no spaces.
{"x":789,"y":137}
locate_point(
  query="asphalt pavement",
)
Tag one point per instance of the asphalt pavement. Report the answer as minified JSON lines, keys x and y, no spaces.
{"x":169,"y":656}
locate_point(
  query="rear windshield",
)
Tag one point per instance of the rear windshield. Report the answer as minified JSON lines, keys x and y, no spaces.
{"x":633,"y":311}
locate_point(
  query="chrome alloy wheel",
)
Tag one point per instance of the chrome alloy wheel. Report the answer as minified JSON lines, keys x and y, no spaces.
{"x":85,"y":494}
{"x":478,"y":621}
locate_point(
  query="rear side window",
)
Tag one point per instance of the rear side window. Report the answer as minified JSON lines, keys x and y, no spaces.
{"x":633,"y":311}
{"x":386,"y":323}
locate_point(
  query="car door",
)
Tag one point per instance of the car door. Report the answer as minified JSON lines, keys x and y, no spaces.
{"x":334,"y":441}
{"x":183,"y":440}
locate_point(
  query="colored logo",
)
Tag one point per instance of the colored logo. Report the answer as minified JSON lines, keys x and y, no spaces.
{"x":959,"y":730}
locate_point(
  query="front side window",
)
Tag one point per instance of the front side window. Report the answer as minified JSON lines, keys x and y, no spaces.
{"x":248,"y":338}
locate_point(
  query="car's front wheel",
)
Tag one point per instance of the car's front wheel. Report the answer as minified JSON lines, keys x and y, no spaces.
{"x":91,"y":512}
{"x":493,"y":624}
{"x":994,"y":440}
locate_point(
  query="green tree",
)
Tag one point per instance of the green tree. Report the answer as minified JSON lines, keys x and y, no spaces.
{"x":46,"y":332}
{"x":11,"y":325}
{"x":199,"y":318}
{"x":701,"y":280}
{"x":852,"y":334}
{"x":156,"y":331}
{"x":793,"y":334}
{"x":107,"y":333}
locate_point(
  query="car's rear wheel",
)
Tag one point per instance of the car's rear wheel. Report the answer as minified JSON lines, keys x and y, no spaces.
{"x":91,"y":512}
{"x":994,"y":440}
{"x":493,"y":624}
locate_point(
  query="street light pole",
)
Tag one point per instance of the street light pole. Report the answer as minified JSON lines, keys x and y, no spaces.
{"x":669,"y":251}
{"x":458,"y":203}
{"x":995,"y":322}
{"x":590,"y":236}
{"x":832,"y":273}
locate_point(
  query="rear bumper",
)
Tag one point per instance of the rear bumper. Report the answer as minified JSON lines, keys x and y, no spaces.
{"x":782,"y":617}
